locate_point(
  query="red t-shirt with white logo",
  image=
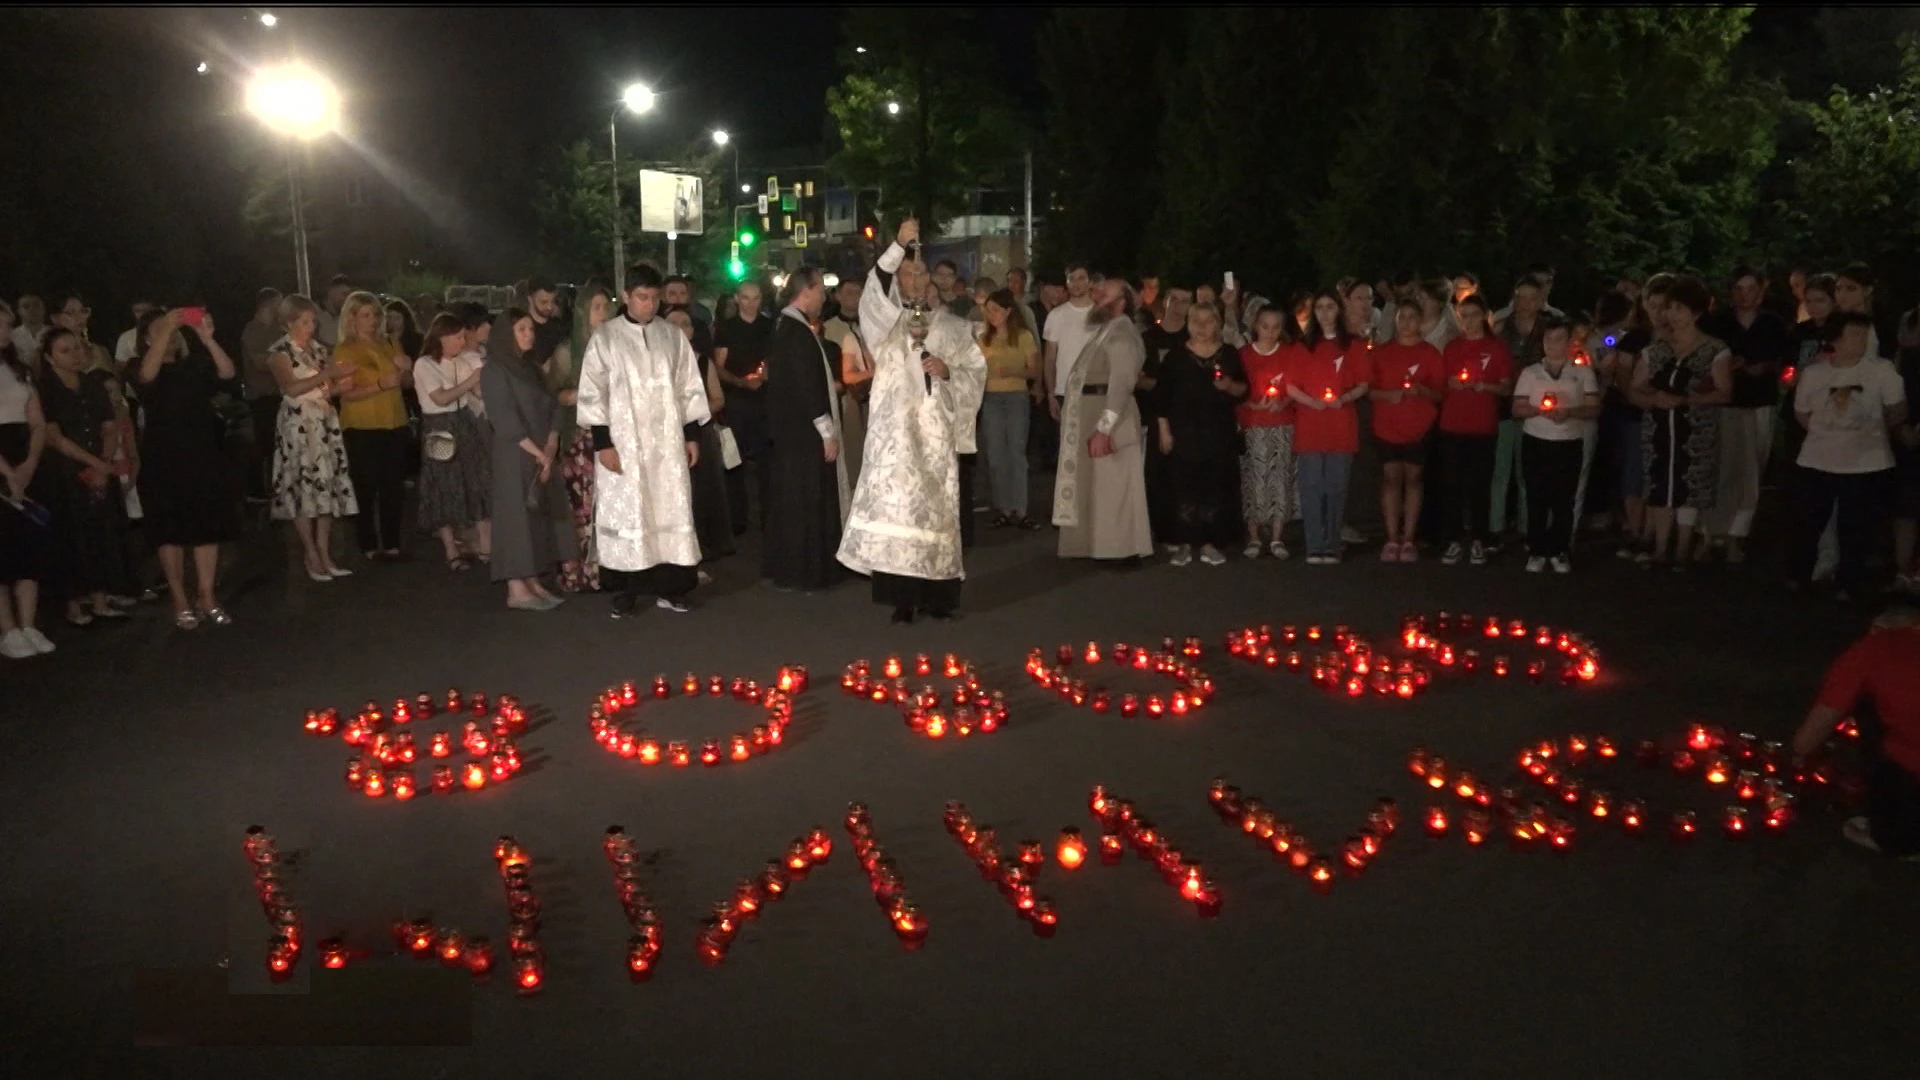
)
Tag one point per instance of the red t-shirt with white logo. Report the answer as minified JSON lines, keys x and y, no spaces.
{"x":1397,"y":367}
{"x":1882,"y":670}
{"x":1315,"y":371}
{"x":1484,"y":359}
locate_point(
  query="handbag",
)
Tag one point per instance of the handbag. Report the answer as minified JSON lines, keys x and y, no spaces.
{"x":440,"y":446}
{"x":729,"y":448}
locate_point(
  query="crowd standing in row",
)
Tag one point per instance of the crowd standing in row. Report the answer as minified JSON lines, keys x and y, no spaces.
{"x":1189,"y":416}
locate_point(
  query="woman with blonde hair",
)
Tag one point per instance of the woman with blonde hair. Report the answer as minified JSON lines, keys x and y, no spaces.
{"x":310,"y":475}
{"x":373,"y":416}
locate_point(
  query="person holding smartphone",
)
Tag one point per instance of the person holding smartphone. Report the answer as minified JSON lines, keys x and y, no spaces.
{"x":183,"y":448}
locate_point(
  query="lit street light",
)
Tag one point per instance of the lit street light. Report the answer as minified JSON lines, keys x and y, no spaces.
{"x":269,"y":20}
{"x":722,"y":139}
{"x":200,"y":68}
{"x":893,"y":108}
{"x":637,"y":98}
{"x":860,"y":48}
{"x":296,"y":102}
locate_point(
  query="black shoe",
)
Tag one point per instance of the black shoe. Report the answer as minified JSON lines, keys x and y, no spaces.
{"x":623,"y":606}
{"x":902,"y":616}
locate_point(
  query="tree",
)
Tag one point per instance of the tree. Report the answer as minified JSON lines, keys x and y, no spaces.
{"x":927,"y":128}
{"x":573,"y":206}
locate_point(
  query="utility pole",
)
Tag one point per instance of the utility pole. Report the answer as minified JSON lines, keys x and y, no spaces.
{"x":1029,"y":209}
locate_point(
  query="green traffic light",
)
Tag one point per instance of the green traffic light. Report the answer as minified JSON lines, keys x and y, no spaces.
{"x":747,"y":239}
{"x":736,"y":270}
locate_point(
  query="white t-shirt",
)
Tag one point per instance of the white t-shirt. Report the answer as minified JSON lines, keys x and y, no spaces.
{"x":1847,"y":431}
{"x":1570,"y":391}
{"x":123,"y":348}
{"x":473,"y":360}
{"x":27,"y":344}
{"x":1067,"y":329}
{"x":430,"y":375}
{"x":15,"y":392}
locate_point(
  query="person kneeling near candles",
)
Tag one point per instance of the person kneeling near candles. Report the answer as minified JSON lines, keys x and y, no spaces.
{"x":1877,"y":681}
{"x":1556,"y":400}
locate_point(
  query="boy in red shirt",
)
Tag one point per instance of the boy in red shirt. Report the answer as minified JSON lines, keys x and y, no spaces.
{"x":1408,"y":381}
{"x":1877,"y":681}
{"x":1479,"y":374}
{"x":1328,"y":373}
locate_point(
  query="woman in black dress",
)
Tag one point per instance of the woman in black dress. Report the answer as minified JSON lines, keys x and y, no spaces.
{"x":89,"y":510}
{"x":712,"y":519}
{"x":1201,"y":381}
{"x":25,"y":541}
{"x":183,"y":455}
{"x":1680,"y":381}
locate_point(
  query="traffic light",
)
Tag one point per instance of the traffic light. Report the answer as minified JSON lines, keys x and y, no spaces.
{"x":737,"y":270}
{"x":748,"y":238}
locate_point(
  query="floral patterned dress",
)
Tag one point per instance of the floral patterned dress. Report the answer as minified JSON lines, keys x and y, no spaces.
{"x":310,"y":456}
{"x":1680,"y":447}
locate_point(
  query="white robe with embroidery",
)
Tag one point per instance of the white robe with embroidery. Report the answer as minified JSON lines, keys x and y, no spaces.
{"x":906,"y":509}
{"x":643,"y":384}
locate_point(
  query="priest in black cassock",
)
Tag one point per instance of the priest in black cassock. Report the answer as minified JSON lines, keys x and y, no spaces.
{"x":806,"y":476}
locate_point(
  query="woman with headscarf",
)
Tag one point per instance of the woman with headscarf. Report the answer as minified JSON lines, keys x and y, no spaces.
{"x":596,"y":304}
{"x":532,"y":521}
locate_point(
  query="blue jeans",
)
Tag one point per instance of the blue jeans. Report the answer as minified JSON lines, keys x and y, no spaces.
{"x":1323,"y":499}
{"x":1004,"y":418}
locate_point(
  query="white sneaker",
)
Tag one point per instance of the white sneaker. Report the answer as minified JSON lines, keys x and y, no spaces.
{"x":37,"y":639}
{"x":1277,"y":549}
{"x":1562,"y":564}
{"x":1351,"y":535}
{"x":1182,"y":556}
{"x":1211,"y":556}
{"x":678,"y":607}
{"x":1536,"y":564}
{"x":1453,"y":554}
{"x":15,"y":646}
{"x":1251,"y":551}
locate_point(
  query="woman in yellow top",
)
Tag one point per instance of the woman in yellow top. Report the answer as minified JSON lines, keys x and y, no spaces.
{"x":373,"y":421}
{"x":1013,"y":364}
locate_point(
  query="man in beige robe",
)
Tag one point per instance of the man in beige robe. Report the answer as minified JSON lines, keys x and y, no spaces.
{"x":1100,"y":491}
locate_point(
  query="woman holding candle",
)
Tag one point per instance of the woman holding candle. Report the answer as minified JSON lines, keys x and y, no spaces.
{"x":373,"y":417}
{"x":576,"y":444}
{"x":89,"y":512}
{"x":1681,"y":380}
{"x":456,"y":460}
{"x":1408,"y":384}
{"x":1555,"y":400}
{"x":183,"y":445}
{"x":311,"y":484}
{"x":532,"y":522}
{"x":1850,"y":406}
{"x":1269,"y":475}
{"x":1200,"y":383}
{"x":1329,"y":372}
{"x":25,"y":540}
{"x":1479,"y":373}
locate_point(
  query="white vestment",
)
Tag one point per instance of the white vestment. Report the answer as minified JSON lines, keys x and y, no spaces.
{"x":643,"y":384}
{"x":906,"y":509}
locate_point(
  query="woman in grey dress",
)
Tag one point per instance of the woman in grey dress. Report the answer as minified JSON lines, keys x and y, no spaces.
{"x":532,"y":522}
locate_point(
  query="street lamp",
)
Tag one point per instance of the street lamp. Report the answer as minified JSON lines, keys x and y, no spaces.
{"x":722,"y":139}
{"x":637,"y":99}
{"x":296,"y":102}
{"x":269,"y":20}
{"x":893,"y":108}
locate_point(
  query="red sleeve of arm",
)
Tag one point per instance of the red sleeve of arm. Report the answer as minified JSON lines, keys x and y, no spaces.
{"x":1846,"y":679}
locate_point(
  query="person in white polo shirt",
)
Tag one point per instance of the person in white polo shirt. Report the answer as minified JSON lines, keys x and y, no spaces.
{"x":1556,"y":401}
{"x":1066,"y":331}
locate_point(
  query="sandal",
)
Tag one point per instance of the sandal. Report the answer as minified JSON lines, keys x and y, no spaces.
{"x":84,"y":620}
{"x":186,"y":620}
{"x":110,"y":613}
{"x":1000,"y":520}
{"x":459,"y":563}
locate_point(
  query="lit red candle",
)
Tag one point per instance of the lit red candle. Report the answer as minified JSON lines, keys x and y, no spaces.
{"x":1436,"y":821}
{"x":473,"y":776}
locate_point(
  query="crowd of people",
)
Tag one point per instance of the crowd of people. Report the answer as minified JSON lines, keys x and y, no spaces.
{"x":620,"y":443}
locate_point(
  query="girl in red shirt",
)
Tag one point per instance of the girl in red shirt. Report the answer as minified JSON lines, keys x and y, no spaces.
{"x":1328,"y":372}
{"x":1479,"y":373}
{"x":1408,"y":384}
{"x":1268,"y":472}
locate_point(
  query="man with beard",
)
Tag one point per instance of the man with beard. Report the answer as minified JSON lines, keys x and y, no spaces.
{"x":843,"y":330}
{"x":549,"y":329}
{"x":928,"y":376}
{"x":807,"y":483}
{"x":1100,"y":493}
{"x":642,"y":399}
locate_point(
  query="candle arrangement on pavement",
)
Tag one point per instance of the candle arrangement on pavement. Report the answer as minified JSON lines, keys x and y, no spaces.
{"x":1122,"y":826}
{"x":968,"y":708}
{"x":1192,"y":687}
{"x":883,"y":877}
{"x":1273,"y":833}
{"x":613,"y":719}
{"x":751,"y":895}
{"x":643,"y":947}
{"x":269,"y":884}
{"x":1013,"y":872}
{"x":389,"y":748}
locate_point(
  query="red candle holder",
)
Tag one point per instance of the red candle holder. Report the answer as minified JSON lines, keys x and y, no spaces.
{"x":1733,"y":822}
{"x":1683,"y":827}
{"x":473,"y":776}
{"x":1436,"y":821}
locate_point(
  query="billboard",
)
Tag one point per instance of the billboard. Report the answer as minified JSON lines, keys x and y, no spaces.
{"x":671,"y":203}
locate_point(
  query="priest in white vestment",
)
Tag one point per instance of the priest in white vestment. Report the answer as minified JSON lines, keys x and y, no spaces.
{"x":642,"y":399}
{"x":928,"y":376}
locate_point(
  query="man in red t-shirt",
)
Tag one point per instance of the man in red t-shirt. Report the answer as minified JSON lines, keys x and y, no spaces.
{"x":1877,"y":681}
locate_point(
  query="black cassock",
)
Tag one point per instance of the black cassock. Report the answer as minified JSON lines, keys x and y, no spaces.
{"x":803,"y":493}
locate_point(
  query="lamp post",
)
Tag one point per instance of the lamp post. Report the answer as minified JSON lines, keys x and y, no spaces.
{"x":636,"y":99}
{"x":299,"y":104}
{"x":721,"y":138}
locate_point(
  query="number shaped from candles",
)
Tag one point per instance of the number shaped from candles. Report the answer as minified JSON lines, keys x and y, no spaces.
{"x":1073,"y":671}
{"x":965,"y":709}
{"x":614,"y":718}
{"x":396,"y":758}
